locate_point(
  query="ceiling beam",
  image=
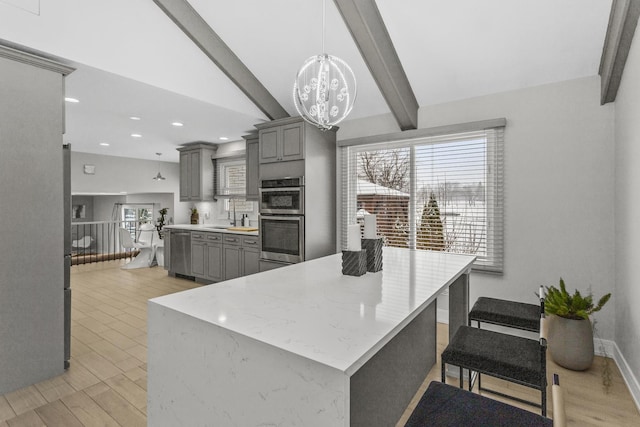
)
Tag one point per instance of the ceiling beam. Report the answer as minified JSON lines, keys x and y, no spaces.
{"x":622,"y":25}
{"x":367,"y":28}
{"x":196,"y":28}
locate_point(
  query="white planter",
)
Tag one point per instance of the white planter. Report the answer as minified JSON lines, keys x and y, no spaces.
{"x":570,"y":342}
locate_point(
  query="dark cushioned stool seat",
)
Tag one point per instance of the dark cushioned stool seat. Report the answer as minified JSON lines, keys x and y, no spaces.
{"x":506,"y":313}
{"x":500,"y":355}
{"x":445,"y":406}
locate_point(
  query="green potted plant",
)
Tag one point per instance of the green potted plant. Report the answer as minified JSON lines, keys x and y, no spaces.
{"x":195,"y":217}
{"x":570,"y":330}
{"x":160,"y":223}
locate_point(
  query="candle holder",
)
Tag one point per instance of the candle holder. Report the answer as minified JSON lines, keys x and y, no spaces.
{"x":354,"y":263}
{"x":373,"y":248}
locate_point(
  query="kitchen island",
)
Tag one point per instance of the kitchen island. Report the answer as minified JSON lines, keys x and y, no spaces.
{"x":302,"y":345}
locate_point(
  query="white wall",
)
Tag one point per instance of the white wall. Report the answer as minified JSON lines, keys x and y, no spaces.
{"x":627,"y":208}
{"x":559,"y":187}
{"x":115,"y":175}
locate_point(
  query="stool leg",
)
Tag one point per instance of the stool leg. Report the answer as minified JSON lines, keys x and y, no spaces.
{"x":444,"y":380}
{"x":544,"y":402}
{"x":461,"y":378}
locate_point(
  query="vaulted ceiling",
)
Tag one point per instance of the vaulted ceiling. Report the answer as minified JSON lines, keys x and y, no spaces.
{"x":133,"y":60}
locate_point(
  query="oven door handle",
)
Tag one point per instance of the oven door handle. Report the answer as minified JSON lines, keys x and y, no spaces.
{"x":282,"y":218}
{"x":281,"y":190}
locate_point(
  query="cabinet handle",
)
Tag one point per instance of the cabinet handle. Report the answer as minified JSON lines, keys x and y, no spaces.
{"x":250,"y":242}
{"x":198,"y":236}
{"x":228,"y":239}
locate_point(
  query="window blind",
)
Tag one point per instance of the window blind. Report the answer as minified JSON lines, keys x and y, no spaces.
{"x":232,"y":179}
{"x":442,"y":193}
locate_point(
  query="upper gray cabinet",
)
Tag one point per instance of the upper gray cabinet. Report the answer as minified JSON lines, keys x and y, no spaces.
{"x":196,"y":171}
{"x":282,"y":142}
{"x":253,"y":166}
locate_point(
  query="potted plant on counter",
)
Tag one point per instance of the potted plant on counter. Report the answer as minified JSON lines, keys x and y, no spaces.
{"x":195,"y":217}
{"x":570,"y":330}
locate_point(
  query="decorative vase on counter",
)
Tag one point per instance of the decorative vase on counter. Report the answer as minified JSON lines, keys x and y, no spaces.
{"x":571,"y":342}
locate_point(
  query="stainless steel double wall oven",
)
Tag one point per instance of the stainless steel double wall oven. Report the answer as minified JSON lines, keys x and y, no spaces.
{"x":281,"y":221}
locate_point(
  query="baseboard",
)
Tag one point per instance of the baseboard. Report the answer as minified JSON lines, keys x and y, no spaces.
{"x":604,"y":348}
{"x":627,"y":375}
{"x":601,"y":347}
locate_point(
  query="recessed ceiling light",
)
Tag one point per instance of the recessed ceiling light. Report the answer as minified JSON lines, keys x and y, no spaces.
{"x":136,"y":135}
{"x":104,"y":144}
{"x":177,"y":124}
{"x":134,"y":118}
{"x":71,"y":100}
{"x":223,"y":138}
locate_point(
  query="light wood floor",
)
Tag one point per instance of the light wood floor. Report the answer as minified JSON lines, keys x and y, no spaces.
{"x":106,"y":383}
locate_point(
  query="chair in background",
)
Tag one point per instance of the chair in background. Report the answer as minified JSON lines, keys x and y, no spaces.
{"x":158,"y":249}
{"x":443,"y":405}
{"x":507,"y":357}
{"x":144,"y":257}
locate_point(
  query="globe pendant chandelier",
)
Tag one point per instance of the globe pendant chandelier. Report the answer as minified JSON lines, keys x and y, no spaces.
{"x":325,"y":88}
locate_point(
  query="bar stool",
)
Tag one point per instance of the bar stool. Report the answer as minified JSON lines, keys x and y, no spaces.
{"x":443,"y":405}
{"x":501,"y":312}
{"x":508,"y":357}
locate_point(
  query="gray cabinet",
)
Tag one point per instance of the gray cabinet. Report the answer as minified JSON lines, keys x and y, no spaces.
{"x":223,"y":256}
{"x":198,"y":254}
{"x":232,"y":252}
{"x":293,"y":147}
{"x":282,"y":143}
{"x":166,"y":236}
{"x":206,"y":256}
{"x":214,"y":257}
{"x":253,"y":166}
{"x":241,"y":256}
{"x":196,"y":172}
{"x":250,"y":255}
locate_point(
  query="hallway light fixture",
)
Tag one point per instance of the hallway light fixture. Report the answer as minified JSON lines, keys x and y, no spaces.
{"x":325,"y":88}
{"x":159,"y":177}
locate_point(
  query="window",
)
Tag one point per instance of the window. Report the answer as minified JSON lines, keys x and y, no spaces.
{"x":233,"y":183}
{"x":441,"y":192}
{"x":134,"y":215}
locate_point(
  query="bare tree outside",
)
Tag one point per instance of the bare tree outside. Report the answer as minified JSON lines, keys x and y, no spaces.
{"x":451,"y":215}
{"x":388,"y":168}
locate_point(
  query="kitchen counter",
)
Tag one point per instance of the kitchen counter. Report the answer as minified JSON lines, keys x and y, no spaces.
{"x":210,"y":227}
{"x":301,"y":345}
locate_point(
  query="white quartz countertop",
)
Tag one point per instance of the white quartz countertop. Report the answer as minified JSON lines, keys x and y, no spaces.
{"x":211,"y":228}
{"x":312,"y":310}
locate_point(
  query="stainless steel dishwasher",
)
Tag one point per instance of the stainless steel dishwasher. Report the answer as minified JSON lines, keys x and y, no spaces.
{"x":181,"y":252}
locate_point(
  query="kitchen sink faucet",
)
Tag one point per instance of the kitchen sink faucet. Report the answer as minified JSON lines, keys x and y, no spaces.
{"x":234,"y":223}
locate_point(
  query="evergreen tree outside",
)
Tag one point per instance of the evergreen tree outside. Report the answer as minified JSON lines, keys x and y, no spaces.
{"x":430,"y":232}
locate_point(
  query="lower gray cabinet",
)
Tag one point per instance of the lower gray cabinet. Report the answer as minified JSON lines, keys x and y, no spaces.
{"x":206,"y":256}
{"x":198,"y":256}
{"x":232,"y":253}
{"x":232,"y":261}
{"x":250,"y":255}
{"x":241,"y":256}
{"x":167,"y":249}
{"x":214,"y":261}
{"x":221,"y":256}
